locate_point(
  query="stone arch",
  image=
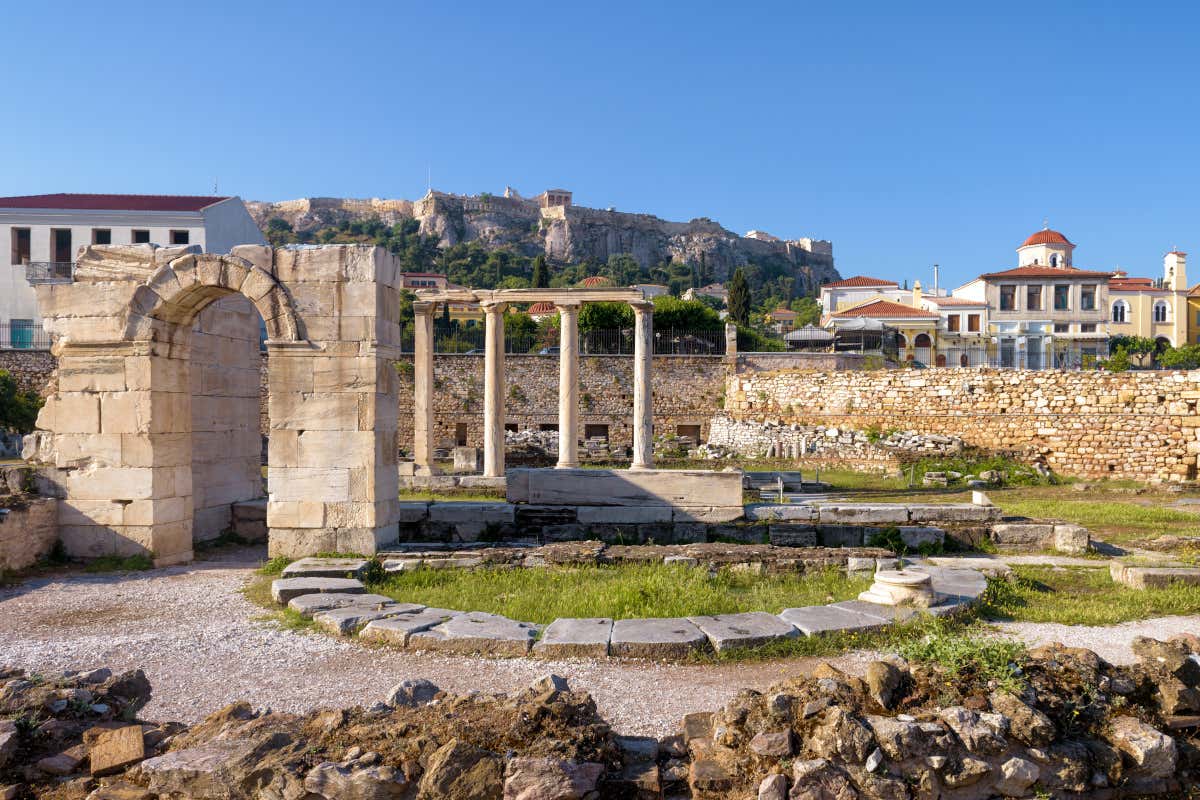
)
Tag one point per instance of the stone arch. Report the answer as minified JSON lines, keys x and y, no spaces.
{"x":181,"y":289}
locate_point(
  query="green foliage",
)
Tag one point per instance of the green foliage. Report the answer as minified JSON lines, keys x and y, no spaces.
{"x":18,"y":409}
{"x":968,"y":655}
{"x":1186,"y":357}
{"x":808,"y":311}
{"x":1082,"y":596}
{"x":274,"y":567}
{"x":739,"y":298}
{"x":1132,"y":345}
{"x":605,"y":316}
{"x":1013,"y":472}
{"x":541,"y":273}
{"x":671,"y":312}
{"x":752,"y":341}
{"x":518,"y":324}
{"x":1118,"y":362}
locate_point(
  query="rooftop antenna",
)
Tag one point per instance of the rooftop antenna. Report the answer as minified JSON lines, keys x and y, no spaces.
{"x":214,"y":186}
{"x":935,"y":280}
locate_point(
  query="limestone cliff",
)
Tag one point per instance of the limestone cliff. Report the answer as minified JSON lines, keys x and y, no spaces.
{"x":550,"y":224}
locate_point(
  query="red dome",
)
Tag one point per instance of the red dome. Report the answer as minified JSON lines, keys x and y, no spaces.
{"x":1046,"y":236}
{"x":596,"y":280}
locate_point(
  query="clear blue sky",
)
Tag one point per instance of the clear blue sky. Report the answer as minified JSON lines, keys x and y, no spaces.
{"x":907,"y":133}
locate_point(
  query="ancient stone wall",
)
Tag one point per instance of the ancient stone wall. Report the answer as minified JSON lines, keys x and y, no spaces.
{"x":686,"y":391}
{"x":31,"y":368}
{"x":1134,"y":425}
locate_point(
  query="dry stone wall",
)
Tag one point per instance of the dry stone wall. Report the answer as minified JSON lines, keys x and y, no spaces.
{"x":31,"y":368}
{"x":687,"y":389}
{"x":1134,"y":425}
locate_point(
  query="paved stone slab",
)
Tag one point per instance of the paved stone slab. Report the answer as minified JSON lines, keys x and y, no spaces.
{"x":471,"y":512}
{"x":345,"y":621}
{"x":575,"y":638}
{"x":308,"y":604}
{"x":790,"y":512}
{"x":751,"y":629}
{"x":284,"y":589}
{"x":398,"y":630}
{"x":477,"y":632}
{"x":655,"y":638}
{"x":708,"y":514}
{"x":953,"y":512}
{"x":816,"y":620}
{"x":313,"y":567}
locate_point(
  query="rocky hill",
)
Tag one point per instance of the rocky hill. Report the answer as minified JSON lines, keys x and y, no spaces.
{"x":550,"y":224}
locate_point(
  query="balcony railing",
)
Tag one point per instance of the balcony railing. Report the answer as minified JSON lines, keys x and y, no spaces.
{"x":49,"y":272}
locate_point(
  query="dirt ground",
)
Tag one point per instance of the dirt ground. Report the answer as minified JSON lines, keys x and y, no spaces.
{"x":203,"y":645}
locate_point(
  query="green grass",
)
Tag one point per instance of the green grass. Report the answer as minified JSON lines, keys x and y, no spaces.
{"x":1115,"y":521}
{"x":1081,"y":597}
{"x":621,"y":592}
{"x":120,"y":564}
{"x":453,"y":496}
{"x":966,"y":653}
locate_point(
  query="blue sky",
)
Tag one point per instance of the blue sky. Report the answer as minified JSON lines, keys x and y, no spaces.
{"x":908,"y":133}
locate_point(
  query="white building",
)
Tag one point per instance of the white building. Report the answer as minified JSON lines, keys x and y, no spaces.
{"x":41,"y":235}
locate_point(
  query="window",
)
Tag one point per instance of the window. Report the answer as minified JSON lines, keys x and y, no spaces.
{"x":179,"y":237}
{"x":1087,"y":298}
{"x":973,"y":323}
{"x":1008,"y":298}
{"x":1054,"y":259}
{"x":21,"y":239}
{"x":1062,"y":297}
{"x":460,"y":434}
{"x":20,"y":334}
{"x":60,"y":245}
{"x":510,"y":426}
{"x":548,"y":427}
{"x":954,"y":323}
{"x":595,"y":431}
{"x":139,"y":237}
{"x":101,"y":236}
{"x":1160,"y":311}
{"x":1087,"y":327}
{"x":1062,"y":327}
{"x":1120,"y":311}
{"x":1198,"y":319}
{"x":1033,"y":298}
{"x":691,"y":431}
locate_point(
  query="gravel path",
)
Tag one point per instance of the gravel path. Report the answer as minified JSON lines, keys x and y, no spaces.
{"x":202,"y":646}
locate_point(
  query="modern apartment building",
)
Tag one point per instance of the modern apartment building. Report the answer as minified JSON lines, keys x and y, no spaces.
{"x":41,"y":234}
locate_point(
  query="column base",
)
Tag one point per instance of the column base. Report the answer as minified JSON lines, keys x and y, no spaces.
{"x":640,"y":467}
{"x":567,"y":465}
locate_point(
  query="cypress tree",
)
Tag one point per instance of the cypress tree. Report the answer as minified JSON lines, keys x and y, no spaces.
{"x":739,"y":298}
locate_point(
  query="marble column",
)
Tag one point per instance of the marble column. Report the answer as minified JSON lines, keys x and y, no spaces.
{"x":568,"y":386}
{"x":643,"y":405}
{"x":493,"y":391}
{"x":423,"y":387}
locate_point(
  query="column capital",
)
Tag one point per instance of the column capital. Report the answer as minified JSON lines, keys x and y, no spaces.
{"x":423,"y":307}
{"x":643,"y":306}
{"x":569,"y":306}
{"x":493,"y":307}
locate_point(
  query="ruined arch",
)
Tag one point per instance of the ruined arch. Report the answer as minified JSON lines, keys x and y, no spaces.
{"x":181,"y":289}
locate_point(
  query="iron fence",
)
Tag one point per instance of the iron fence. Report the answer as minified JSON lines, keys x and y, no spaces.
{"x":470,"y":340}
{"x":23,"y":335}
{"x":1072,"y":359}
{"x":49,"y":272}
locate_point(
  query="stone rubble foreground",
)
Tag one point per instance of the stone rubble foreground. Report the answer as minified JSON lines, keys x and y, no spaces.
{"x":1073,"y":726}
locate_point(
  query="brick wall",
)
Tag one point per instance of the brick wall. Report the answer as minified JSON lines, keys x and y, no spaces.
{"x":1137,"y":425}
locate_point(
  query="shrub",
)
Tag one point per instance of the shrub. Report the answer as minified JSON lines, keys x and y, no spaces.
{"x":18,"y":409}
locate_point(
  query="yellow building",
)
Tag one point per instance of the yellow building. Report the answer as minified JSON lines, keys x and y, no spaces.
{"x":1155,"y":309}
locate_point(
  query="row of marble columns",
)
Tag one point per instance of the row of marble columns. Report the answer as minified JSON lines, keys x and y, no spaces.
{"x":568,"y":387}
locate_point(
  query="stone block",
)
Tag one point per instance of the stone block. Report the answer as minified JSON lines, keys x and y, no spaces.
{"x":709,"y":514}
{"x":859,"y":514}
{"x":284,"y":589}
{"x":295,"y":514}
{"x":841,"y":535}
{"x":622,"y":515}
{"x":953,"y":512}
{"x":792,"y":513}
{"x":1023,"y":535}
{"x":467,"y":459}
{"x":115,"y":750}
{"x":575,"y":638}
{"x":752,"y":629}
{"x":1071,"y":539}
{"x":589,"y":487}
{"x":788,"y":534}
{"x":311,"y":485}
{"x":816,"y":620}
{"x":477,"y":632}
{"x":348,"y":619}
{"x":313,"y":567}
{"x":656,"y":638}
{"x":308,"y":604}
{"x":917,"y":536}
{"x":398,"y":630}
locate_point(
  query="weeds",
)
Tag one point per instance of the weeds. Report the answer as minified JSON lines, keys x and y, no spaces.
{"x":966,"y":653}
{"x":138,"y":563}
{"x":1081,"y":596}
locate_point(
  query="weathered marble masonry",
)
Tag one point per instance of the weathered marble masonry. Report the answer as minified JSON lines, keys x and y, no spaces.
{"x":1134,"y":425}
{"x":152,"y":423}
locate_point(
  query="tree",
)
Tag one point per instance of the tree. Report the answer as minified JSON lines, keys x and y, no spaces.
{"x":808,"y":311}
{"x":446,"y":315}
{"x":605,"y":316}
{"x":519,"y":325}
{"x":18,"y":409}
{"x":685,"y":315}
{"x":541,"y":275}
{"x":739,"y":298}
{"x":1186,"y":357}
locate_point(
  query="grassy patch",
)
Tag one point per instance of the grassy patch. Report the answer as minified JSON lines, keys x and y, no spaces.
{"x":1116,"y":521}
{"x":274,"y":567}
{"x":621,"y":592}
{"x":965,"y":653}
{"x":1081,"y":597}
{"x":136,"y":563}
{"x":258,"y":592}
